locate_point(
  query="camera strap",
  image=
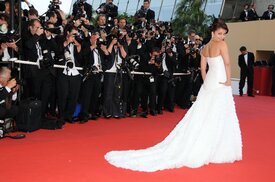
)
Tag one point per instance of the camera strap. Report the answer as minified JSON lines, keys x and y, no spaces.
{"x":39,"y":51}
{"x":97,"y":58}
{"x":164,"y":66}
{"x":118,"y":59}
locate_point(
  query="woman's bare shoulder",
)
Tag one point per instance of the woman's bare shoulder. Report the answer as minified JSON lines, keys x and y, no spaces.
{"x":204,"y":51}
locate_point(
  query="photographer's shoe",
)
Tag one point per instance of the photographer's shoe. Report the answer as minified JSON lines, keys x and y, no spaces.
{"x":241,"y":93}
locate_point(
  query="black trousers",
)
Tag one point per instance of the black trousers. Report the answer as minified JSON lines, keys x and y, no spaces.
{"x":250,"y":78}
{"x":112,"y":95}
{"x":53,"y":96}
{"x":184,"y":91}
{"x":145,"y":88}
{"x":89,"y":97}
{"x":8,"y":113}
{"x":42,"y":86}
{"x":68,"y":90}
{"x":166,"y":94}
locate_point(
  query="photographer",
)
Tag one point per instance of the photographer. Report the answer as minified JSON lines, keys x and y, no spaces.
{"x":113,"y":84}
{"x":102,"y":25}
{"x":108,"y":9}
{"x":191,"y":83}
{"x":54,"y":6}
{"x":69,"y":79}
{"x":39,"y":46}
{"x":82,"y":9}
{"x":91,"y":82}
{"x":146,"y":85}
{"x":144,"y":15}
{"x":8,"y":40}
{"x":8,"y":89}
{"x":51,"y":17}
{"x":52,"y":34}
{"x":166,"y":83}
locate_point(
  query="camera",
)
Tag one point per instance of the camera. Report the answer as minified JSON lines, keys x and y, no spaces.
{"x":69,"y":63}
{"x":116,"y":33}
{"x":47,"y":60}
{"x":140,"y":37}
{"x":100,"y":41}
{"x":54,"y":5}
{"x":107,"y":9}
{"x":130,"y":30}
{"x":158,"y":59}
{"x":133,"y":62}
{"x":54,"y":30}
{"x":194,"y":50}
{"x":20,"y":81}
{"x":89,"y":72}
{"x":10,"y":36}
{"x":77,"y":10}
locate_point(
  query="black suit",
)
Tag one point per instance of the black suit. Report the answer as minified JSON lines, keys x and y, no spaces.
{"x":91,"y":87}
{"x":87,"y":8}
{"x":150,"y":15}
{"x":252,"y":15}
{"x":68,"y":86}
{"x":244,"y":15}
{"x":5,"y":112}
{"x":268,"y":15}
{"x":247,"y":71}
{"x":166,"y":89}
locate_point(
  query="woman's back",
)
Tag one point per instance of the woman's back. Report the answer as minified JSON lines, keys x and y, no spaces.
{"x":212,"y":49}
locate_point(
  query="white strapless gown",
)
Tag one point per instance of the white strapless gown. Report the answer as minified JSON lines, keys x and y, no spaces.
{"x":208,"y":133}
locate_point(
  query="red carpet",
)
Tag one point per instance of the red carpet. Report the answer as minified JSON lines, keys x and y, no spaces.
{"x":75,"y":153}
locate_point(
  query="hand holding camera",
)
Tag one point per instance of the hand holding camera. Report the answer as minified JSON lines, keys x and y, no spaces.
{"x":11,"y":83}
{"x":39,"y":31}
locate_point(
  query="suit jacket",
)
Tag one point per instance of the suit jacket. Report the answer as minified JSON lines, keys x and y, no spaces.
{"x":171,"y":63}
{"x":250,"y":62}
{"x":150,"y":15}
{"x":3,"y":93}
{"x":252,"y":15}
{"x":243,"y":16}
{"x":266,"y":16}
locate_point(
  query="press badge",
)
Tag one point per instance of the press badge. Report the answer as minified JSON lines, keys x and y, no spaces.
{"x":152,"y":79}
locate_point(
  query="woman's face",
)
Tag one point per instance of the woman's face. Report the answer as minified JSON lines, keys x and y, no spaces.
{"x":219,"y":34}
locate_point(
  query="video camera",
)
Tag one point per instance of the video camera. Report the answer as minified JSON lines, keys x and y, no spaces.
{"x":54,"y":5}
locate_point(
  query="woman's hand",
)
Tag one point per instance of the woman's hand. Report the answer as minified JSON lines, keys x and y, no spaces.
{"x":226,"y":83}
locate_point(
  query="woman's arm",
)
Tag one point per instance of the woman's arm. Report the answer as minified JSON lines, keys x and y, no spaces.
{"x":203,"y":66}
{"x":226,"y":60}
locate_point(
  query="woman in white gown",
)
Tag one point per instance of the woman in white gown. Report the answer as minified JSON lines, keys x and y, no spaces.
{"x":209,"y":132}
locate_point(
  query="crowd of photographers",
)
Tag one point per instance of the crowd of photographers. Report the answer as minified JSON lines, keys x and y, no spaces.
{"x":126,"y":69}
